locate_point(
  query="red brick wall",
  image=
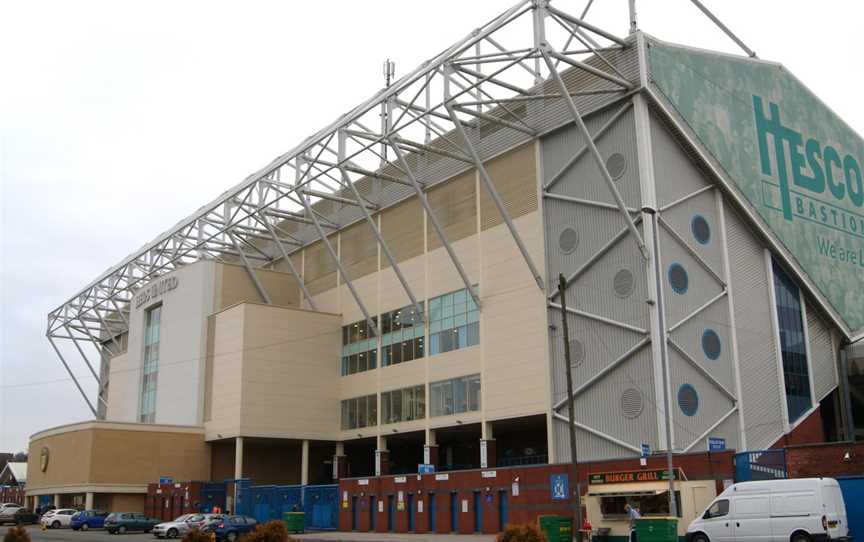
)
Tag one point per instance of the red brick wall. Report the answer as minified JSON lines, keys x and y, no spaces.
{"x":809,"y":431}
{"x":825,"y":460}
{"x":534,"y":497}
{"x":12,"y":494}
{"x":168,"y":501}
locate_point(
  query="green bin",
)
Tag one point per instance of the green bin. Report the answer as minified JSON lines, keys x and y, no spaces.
{"x":556,"y":528}
{"x":657,"y":529}
{"x":295,"y":522}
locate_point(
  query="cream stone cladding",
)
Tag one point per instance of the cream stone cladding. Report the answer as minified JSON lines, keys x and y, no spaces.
{"x":273,"y":373}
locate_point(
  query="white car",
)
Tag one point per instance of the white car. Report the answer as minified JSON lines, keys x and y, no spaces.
{"x":796,"y":510}
{"x":62,"y":517}
{"x":6,"y":505}
{"x":183,"y":524}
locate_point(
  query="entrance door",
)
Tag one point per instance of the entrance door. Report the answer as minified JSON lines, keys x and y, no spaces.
{"x":454,"y":512}
{"x":411,"y":512}
{"x":354,"y":512}
{"x":432,"y":512}
{"x":478,"y":513}
{"x":502,"y":509}
{"x":373,"y":512}
{"x":391,"y":512}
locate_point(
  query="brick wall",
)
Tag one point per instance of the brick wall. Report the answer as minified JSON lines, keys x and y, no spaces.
{"x":809,"y":431}
{"x":825,"y":460}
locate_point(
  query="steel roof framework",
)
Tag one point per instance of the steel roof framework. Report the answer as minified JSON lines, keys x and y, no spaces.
{"x":433,"y":110}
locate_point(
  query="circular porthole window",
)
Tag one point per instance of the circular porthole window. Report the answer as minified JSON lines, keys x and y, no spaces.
{"x":700,"y":229}
{"x":688,"y":400}
{"x":678,"y":278}
{"x":568,"y":240}
{"x":617,"y":165}
{"x":623,"y":283}
{"x":711,"y":344}
{"x":577,"y":353}
{"x":632,"y":403}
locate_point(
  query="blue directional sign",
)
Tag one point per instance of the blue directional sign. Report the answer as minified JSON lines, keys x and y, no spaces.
{"x":646,"y":450}
{"x":166,"y":480}
{"x":425,"y":469}
{"x":558,"y":485}
{"x":716,"y":444}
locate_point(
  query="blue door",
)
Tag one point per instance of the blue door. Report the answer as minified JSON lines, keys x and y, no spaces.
{"x":852,"y":488}
{"x":454,"y":512}
{"x":354,"y":512}
{"x":502,"y":509}
{"x":373,"y":512}
{"x":391,"y":512}
{"x":411,"y":512}
{"x":478,"y":513}
{"x":432,"y":512}
{"x":321,"y":504}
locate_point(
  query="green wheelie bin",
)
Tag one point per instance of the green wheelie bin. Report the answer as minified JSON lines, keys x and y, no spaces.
{"x":657,"y":529}
{"x":295,"y":522}
{"x":556,"y":528}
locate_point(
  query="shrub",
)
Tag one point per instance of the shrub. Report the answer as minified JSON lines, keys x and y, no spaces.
{"x":16,"y":534}
{"x":272,"y":531}
{"x":526,"y":532}
{"x":197,"y":536}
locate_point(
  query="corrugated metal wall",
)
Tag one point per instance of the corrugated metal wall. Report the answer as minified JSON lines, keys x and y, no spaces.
{"x":822,"y":356}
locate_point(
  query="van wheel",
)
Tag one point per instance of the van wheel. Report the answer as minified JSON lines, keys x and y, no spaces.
{"x":801,"y":537}
{"x":700,"y":537}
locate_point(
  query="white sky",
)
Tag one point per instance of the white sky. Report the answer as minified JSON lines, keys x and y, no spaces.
{"x":119,"y":118}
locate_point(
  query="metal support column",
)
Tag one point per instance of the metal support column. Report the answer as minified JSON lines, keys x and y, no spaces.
{"x":255,"y":280}
{"x":71,"y":374}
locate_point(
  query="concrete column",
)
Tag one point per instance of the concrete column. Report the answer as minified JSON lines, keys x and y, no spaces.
{"x":430,"y":449}
{"x":57,"y":500}
{"x":238,"y":458}
{"x":88,"y":501}
{"x":340,"y":462}
{"x":488,"y":457}
{"x":35,"y":502}
{"x":382,"y":457}
{"x":304,"y":463}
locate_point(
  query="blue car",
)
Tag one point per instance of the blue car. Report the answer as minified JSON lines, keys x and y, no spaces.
{"x":232,"y":528}
{"x":88,"y":519}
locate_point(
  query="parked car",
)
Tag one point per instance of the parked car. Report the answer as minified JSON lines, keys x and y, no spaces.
{"x":794,"y":510}
{"x":18,"y":516}
{"x":123,"y":522}
{"x":6,"y":505}
{"x":210,"y":522}
{"x":62,"y":517}
{"x":184,"y":524}
{"x":88,"y":519}
{"x":232,"y":528}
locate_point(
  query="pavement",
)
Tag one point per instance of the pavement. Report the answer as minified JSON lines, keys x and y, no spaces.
{"x":68,"y":535}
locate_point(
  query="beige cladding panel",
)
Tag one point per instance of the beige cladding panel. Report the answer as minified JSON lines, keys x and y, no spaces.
{"x":282,"y":287}
{"x":320,"y":269}
{"x":234,"y":285}
{"x":367,"y":288}
{"x":123,"y":376}
{"x":515,"y":179}
{"x":140,"y":457}
{"x":402,"y":228}
{"x":359,"y":250}
{"x":290,"y":362}
{"x":68,"y":460}
{"x":224,"y":389}
{"x":454,"y":203}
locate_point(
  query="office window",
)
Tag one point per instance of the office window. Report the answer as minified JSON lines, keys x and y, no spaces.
{"x":402,"y":335}
{"x":453,"y":322}
{"x":360,"y":412}
{"x":403,"y":405}
{"x":455,"y":396}
{"x":359,"y":347}
{"x":147,"y":407}
{"x":793,"y":349}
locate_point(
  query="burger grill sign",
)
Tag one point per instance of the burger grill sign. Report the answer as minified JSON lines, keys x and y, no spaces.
{"x":155,"y":290}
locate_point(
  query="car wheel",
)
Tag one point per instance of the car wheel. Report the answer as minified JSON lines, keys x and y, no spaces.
{"x":232,"y":537}
{"x":84,"y":526}
{"x":800,"y":537}
{"x":700,"y":537}
{"x":55,"y":525}
{"x":122,"y":529}
{"x":172,"y":533}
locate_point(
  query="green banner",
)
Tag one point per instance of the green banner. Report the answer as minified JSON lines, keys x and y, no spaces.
{"x":626,"y":477}
{"x":796,"y":162}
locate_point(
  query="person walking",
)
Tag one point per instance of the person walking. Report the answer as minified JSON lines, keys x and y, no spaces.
{"x":632,"y":514}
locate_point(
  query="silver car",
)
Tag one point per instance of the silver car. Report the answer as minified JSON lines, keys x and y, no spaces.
{"x":183,"y":524}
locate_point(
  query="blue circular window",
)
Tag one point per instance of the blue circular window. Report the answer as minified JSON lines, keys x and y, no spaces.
{"x":678,"y":278}
{"x":700,"y":229}
{"x":688,"y":400}
{"x":711,"y":345}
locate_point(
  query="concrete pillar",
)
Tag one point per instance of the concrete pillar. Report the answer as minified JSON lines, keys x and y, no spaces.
{"x":88,"y":501}
{"x":487,"y":447}
{"x":57,"y":500}
{"x":35,"y":502}
{"x":382,"y":457}
{"x":304,"y":463}
{"x":238,"y":458}
{"x":430,"y":449}
{"x":340,"y":462}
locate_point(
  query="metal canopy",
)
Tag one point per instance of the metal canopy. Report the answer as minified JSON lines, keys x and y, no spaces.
{"x":502,"y":78}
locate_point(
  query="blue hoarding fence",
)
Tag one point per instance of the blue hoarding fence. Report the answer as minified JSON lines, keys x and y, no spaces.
{"x":270,"y":502}
{"x":852,"y":488}
{"x":321,"y":505}
{"x":760,"y":465}
{"x":212,"y":495}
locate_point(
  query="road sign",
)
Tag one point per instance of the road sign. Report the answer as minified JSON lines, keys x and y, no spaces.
{"x":558,"y":485}
{"x":423,"y":468}
{"x":716,"y":444}
{"x":646,"y":450}
{"x":166,"y":480}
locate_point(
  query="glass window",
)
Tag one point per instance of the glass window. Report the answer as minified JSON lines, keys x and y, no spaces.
{"x":454,"y":322}
{"x":793,"y":350}
{"x":717,"y":510}
{"x":147,"y":407}
{"x":402,"y":335}
{"x":403,"y":405}
{"x":359,"y":347}
{"x":360,"y":412}
{"x":648,"y":505}
{"x":455,"y":396}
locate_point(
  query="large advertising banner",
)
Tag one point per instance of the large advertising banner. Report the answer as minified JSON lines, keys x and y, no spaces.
{"x":796,"y":162}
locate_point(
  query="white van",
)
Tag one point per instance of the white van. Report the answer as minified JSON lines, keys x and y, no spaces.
{"x":801,"y":510}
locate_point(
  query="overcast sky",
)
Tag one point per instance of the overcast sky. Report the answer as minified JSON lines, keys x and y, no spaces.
{"x":117,"y":119}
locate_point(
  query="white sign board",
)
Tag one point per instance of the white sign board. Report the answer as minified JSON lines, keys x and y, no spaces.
{"x":442,"y":476}
{"x":363,"y":482}
{"x":400,"y":480}
{"x":484,"y":454}
{"x":489,"y":474}
{"x":464,"y":506}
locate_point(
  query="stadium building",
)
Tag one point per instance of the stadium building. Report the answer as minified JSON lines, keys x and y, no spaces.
{"x":386,"y":295}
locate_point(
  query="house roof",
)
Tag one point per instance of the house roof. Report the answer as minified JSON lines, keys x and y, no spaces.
{"x":14,"y":473}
